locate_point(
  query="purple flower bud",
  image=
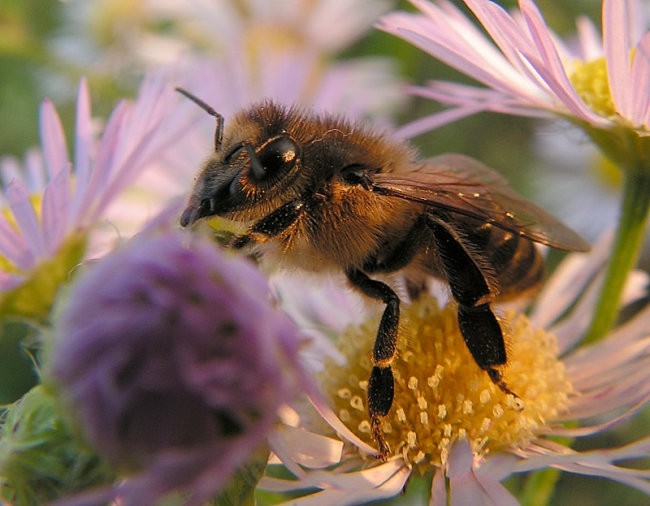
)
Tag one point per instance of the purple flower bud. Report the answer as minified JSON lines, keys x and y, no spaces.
{"x":175,"y":362}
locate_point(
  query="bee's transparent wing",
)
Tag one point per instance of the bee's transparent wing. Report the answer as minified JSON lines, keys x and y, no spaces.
{"x":466,"y":187}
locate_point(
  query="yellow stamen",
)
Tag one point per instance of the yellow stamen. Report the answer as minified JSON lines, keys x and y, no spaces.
{"x":441,"y":395}
{"x":590,"y":81}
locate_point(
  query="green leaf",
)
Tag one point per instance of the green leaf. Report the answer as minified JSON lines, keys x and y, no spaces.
{"x":41,"y":459}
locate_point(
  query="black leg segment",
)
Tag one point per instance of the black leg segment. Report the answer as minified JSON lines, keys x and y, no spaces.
{"x":270,"y":226}
{"x":380,"y":385}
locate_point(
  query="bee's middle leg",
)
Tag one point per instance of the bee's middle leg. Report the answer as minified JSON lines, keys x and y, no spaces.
{"x":381,"y":384}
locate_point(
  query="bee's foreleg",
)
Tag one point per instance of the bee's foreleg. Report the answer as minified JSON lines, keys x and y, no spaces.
{"x":271,"y":225}
{"x":380,"y":385}
{"x":478,"y":324}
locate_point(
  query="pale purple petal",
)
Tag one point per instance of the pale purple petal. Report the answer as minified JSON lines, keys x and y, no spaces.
{"x":10,"y":169}
{"x":83,"y":146}
{"x":13,"y":246}
{"x":591,"y":42}
{"x":588,"y":430}
{"x":54,"y":210}
{"x":439,"y":489}
{"x":568,"y":282}
{"x":99,"y":179}
{"x":514,"y":43}
{"x":551,"y":68}
{"x":436,"y":120}
{"x":617,"y":45}
{"x":142,"y":132}
{"x":484,"y":98}
{"x":467,"y":486}
{"x":595,"y":463}
{"x":52,"y":139}
{"x":640,"y":83}
{"x":26,"y":220}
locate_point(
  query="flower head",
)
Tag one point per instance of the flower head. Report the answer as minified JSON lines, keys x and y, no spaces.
{"x":174,"y":362}
{"x":52,"y":206}
{"x":442,"y":396}
{"x":528,"y":70}
{"x":449,"y":420}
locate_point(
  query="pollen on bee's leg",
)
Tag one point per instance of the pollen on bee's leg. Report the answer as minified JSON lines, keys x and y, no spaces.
{"x":441,"y":395}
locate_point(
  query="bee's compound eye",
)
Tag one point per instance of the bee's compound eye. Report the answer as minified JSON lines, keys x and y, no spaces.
{"x":279,"y":154}
{"x":233,"y":152}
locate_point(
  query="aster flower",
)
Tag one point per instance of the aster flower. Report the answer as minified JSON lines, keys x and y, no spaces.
{"x":527,"y":69}
{"x":450,"y":420}
{"x":52,"y":204}
{"x":174,"y":363}
{"x":602,"y":87}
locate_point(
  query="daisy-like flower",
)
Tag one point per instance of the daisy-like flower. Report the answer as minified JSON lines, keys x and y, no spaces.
{"x":53,"y":203}
{"x":448,"y":419}
{"x":174,"y":362}
{"x":527,"y":69}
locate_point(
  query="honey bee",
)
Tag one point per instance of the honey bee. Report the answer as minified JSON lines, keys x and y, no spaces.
{"x":322,"y":193}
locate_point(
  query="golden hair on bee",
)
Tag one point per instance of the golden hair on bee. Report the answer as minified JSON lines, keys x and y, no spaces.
{"x":319,"y":192}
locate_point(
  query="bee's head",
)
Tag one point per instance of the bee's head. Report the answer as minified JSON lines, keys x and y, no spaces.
{"x":251,"y":170}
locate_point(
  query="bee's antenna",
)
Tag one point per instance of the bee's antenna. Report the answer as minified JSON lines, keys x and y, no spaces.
{"x":218,"y":133}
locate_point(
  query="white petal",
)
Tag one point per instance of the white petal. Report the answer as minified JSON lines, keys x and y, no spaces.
{"x":310,"y":450}
{"x":330,"y":417}
{"x":568,"y":282}
{"x":380,"y":481}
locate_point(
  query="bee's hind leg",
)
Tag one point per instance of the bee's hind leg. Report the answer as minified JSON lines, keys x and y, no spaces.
{"x":478,"y":324}
{"x":380,"y":385}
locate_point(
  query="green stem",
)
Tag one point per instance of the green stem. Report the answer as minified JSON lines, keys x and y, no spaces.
{"x":539,"y":487}
{"x":625,"y":251}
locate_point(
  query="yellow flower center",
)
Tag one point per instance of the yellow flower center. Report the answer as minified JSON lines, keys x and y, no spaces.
{"x":441,"y":395}
{"x":590,"y":81}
